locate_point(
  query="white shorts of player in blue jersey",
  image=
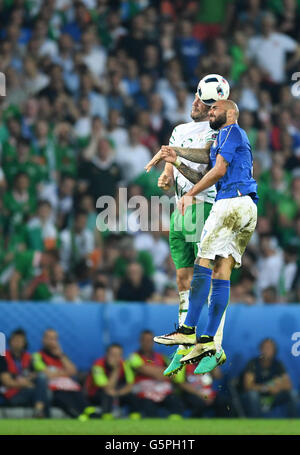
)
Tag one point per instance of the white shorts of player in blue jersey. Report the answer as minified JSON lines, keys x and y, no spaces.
{"x":228,"y":229}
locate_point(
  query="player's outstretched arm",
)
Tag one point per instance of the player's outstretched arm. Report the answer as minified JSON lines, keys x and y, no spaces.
{"x":197,"y":155}
{"x":170,"y":156}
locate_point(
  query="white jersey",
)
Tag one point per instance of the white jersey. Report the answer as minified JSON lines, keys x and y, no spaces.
{"x":192,"y":135}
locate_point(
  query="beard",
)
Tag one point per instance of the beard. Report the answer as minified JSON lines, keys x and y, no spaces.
{"x":199,"y":115}
{"x":218,"y":122}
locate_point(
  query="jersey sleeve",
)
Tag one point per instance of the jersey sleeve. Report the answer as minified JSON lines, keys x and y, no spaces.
{"x":135,"y":361}
{"x":175,"y":137}
{"x":288,"y":43}
{"x":228,"y":143}
{"x":99,"y":376}
{"x":210,"y":136}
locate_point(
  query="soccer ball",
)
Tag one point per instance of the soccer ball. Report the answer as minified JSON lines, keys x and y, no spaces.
{"x":213,"y":88}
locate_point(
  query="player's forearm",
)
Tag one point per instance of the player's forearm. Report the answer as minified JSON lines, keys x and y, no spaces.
{"x":207,"y":181}
{"x":191,"y":174}
{"x":168,"y":170}
{"x":196,"y":155}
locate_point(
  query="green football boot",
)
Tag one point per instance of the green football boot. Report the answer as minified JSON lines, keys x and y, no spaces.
{"x":199,"y":351}
{"x":210,"y":362}
{"x":175,"y":364}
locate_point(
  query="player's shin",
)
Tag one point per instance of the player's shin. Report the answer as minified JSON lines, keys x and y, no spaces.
{"x":218,"y":303}
{"x":199,"y":293}
{"x":218,"y":338}
{"x":200,"y":287}
{"x":210,"y":362}
{"x":208,"y":350}
{"x":183,"y":306}
{"x":175,"y":364}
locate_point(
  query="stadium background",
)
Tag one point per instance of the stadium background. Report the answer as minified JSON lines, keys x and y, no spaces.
{"x":92,"y":90}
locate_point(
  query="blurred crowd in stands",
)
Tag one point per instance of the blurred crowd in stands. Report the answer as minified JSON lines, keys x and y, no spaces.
{"x":93,"y":88}
{"x":136,"y":387}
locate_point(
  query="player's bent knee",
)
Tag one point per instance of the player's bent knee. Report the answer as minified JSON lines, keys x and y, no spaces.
{"x":183,"y":278}
{"x":223,"y":268}
{"x":203,"y":262}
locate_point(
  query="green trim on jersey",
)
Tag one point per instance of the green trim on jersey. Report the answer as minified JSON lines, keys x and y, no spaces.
{"x":185,"y":233}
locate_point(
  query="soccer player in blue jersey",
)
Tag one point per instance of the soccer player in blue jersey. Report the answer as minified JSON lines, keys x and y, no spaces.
{"x":225,"y":235}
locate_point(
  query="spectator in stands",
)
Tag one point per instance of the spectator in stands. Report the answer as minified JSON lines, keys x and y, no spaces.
{"x":115,"y":129}
{"x":61,"y":197}
{"x":61,"y":374}
{"x":19,"y":202}
{"x":127,"y":254}
{"x":90,"y":91}
{"x":71,"y":291}
{"x":57,"y":279}
{"x":269,"y":264}
{"x":21,"y":386}
{"x":110,"y":382}
{"x":101,"y":174}
{"x":41,"y":233}
{"x":100,"y":293}
{"x":132,"y":158}
{"x":199,"y":393}
{"x":135,"y":286}
{"x":269,"y":295}
{"x":269,"y":50}
{"x":266,"y":384}
{"x":77,"y":242}
{"x":155,"y":390}
{"x":29,"y":280}
{"x":22,"y":159}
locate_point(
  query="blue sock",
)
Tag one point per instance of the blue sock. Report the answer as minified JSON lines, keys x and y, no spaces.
{"x":199,"y":292}
{"x":218,"y":302}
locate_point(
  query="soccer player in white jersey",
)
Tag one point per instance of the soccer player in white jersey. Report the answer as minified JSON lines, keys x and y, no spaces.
{"x":185,"y":230}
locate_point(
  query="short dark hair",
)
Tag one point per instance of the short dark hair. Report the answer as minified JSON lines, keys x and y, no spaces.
{"x":80,"y":212}
{"x":44,"y":202}
{"x":99,"y":285}
{"x":19,"y":332}
{"x":114,"y":345}
{"x":268,"y":339}
{"x":146,"y":332}
{"x":20,"y":174}
{"x":24,"y":141}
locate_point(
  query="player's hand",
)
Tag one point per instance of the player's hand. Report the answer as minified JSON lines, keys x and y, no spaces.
{"x":164,"y":181}
{"x":184,"y":202}
{"x":155,"y":160}
{"x":168,"y":154}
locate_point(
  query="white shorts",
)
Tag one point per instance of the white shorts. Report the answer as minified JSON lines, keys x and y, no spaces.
{"x":228,"y":229}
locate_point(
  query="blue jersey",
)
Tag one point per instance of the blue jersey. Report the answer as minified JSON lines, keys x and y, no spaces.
{"x":233,"y":144}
